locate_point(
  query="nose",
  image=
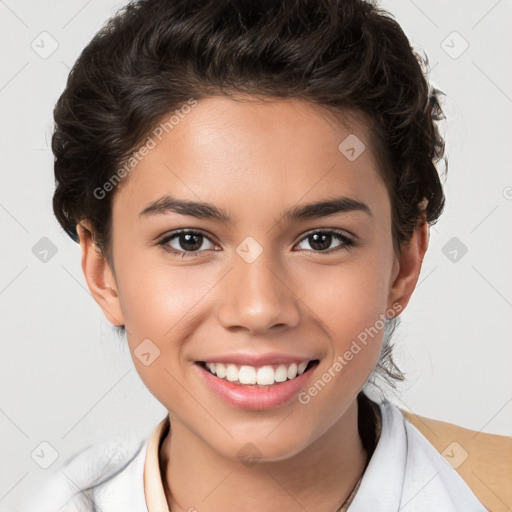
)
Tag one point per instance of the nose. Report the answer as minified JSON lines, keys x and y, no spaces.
{"x":257,"y":296}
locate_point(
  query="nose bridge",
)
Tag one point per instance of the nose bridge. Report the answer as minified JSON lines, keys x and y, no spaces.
{"x":256,"y":295}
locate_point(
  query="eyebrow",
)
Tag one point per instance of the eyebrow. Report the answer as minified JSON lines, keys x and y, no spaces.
{"x":202,"y":210}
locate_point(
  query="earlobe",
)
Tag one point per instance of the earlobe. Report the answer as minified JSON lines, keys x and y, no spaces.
{"x":408,"y":264}
{"x":99,"y":276}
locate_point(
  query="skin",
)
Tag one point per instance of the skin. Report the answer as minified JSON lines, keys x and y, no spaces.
{"x":255,"y":160}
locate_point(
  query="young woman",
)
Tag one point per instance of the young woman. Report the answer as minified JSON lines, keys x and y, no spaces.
{"x":252,"y":185}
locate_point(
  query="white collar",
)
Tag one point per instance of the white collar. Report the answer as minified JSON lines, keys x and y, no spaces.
{"x":407,"y":473}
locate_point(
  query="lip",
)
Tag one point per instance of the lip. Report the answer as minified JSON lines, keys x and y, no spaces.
{"x":252,"y":397}
{"x":257,"y":360}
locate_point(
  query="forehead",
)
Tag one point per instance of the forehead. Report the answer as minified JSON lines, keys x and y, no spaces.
{"x":254,"y":153}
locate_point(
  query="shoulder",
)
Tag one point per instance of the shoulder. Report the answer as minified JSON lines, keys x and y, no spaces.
{"x":483,"y":461}
{"x":406,"y":471}
{"x":87,"y":478}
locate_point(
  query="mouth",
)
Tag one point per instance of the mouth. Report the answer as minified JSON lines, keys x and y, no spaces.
{"x":267,"y":376}
{"x":256,"y":388}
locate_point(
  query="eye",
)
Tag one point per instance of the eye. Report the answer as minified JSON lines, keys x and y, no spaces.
{"x":321,"y":240}
{"x":184,"y":242}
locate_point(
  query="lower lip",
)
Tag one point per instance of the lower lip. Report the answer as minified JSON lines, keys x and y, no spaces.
{"x":252,"y":397}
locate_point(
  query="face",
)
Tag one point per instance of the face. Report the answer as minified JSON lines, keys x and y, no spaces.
{"x":264,"y":279}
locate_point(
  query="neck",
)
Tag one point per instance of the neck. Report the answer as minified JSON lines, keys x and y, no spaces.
{"x":318,"y":478}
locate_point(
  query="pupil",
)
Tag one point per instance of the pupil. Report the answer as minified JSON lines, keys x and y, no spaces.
{"x":324,"y":244}
{"x":185,"y":239}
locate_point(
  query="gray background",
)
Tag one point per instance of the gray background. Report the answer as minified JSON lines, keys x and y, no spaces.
{"x":68,"y":380}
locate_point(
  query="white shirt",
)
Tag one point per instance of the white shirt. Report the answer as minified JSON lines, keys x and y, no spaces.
{"x":405,"y":473}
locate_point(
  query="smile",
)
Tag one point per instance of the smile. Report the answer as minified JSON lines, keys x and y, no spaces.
{"x":256,"y":388}
{"x":267,"y":375}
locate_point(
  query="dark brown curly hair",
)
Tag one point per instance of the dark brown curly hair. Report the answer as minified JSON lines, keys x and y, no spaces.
{"x":154,"y":55}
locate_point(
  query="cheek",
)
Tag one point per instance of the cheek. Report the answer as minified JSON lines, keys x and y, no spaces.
{"x":351,"y":301}
{"x":348,"y":297}
{"x":152,"y":294}
{"x":159,"y":303}
{"x":162,"y":302}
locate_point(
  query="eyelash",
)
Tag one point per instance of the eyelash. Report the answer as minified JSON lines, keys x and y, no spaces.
{"x":348,"y":241}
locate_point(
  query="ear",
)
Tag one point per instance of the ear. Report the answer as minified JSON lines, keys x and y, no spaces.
{"x":407,"y":267}
{"x":99,"y":276}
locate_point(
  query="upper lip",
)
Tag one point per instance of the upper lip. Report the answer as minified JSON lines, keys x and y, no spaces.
{"x":270,"y":358}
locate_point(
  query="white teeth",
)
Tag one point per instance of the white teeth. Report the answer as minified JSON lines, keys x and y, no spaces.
{"x":247,"y":375}
{"x":281,"y":373}
{"x":231,"y":373}
{"x":219,"y":369}
{"x":292,"y":371}
{"x":263,"y":376}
